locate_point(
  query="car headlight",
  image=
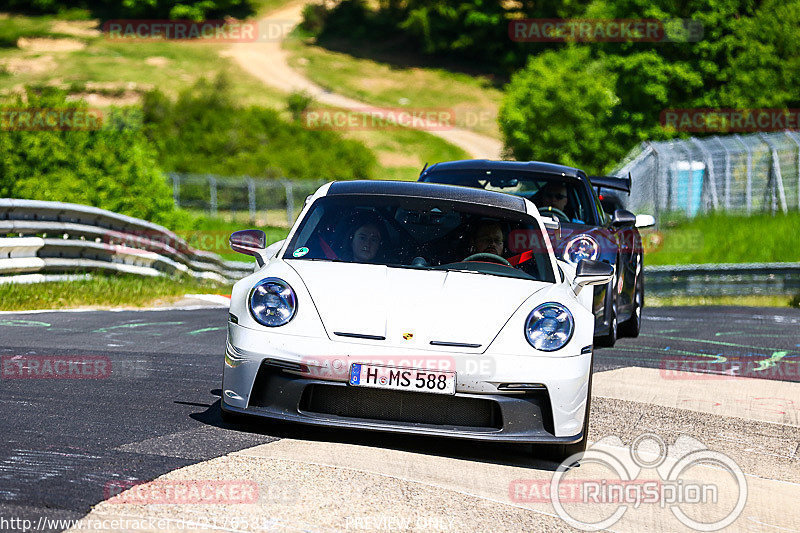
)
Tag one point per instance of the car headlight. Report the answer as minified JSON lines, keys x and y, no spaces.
{"x":272,"y":302}
{"x":549,"y":327}
{"x":579,"y":248}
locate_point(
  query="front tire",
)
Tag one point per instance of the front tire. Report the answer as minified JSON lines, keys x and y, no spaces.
{"x":631,"y":327}
{"x":608,"y":340}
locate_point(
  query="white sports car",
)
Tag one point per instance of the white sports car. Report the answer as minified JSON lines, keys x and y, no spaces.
{"x":415,"y":308}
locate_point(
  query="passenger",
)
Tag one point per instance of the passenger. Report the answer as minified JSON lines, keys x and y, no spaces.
{"x":365,"y":242}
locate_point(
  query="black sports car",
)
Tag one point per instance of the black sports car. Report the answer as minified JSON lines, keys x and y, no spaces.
{"x":585,"y":230}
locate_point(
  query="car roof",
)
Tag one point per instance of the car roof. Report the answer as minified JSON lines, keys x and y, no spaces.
{"x":523,"y":166}
{"x":428,"y":190}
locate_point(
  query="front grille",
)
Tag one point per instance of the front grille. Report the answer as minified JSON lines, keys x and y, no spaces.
{"x":401,"y":406}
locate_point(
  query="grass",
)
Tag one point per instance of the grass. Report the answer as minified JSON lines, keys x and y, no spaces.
{"x":739,"y":301}
{"x":12,"y":28}
{"x":103,"y":291}
{"x":721,"y":238}
{"x":119,"y":71}
{"x":211,"y":234}
{"x":382,"y":82}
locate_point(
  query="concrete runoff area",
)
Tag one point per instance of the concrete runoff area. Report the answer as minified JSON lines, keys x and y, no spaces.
{"x":327,"y":485}
{"x":71,"y":447}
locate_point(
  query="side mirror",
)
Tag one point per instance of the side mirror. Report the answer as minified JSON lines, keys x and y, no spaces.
{"x":645,"y":221}
{"x":623,"y":218}
{"x":250,"y":242}
{"x":591,"y":273}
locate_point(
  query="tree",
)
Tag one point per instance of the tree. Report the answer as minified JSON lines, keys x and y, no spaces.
{"x":113,"y":167}
{"x":559,"y":108}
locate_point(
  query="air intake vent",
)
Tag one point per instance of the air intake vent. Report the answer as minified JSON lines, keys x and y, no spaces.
{"x":401,"y":406}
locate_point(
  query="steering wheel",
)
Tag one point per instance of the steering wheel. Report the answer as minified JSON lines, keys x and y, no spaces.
{"x":488,"y":257}
{"x":550,"y":210}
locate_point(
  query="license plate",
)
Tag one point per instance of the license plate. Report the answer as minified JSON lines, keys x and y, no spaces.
{"x":411,"y":379}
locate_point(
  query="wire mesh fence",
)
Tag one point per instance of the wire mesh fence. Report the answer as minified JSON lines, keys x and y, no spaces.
{"x":737,"y":173}
{"x":270,"y":202}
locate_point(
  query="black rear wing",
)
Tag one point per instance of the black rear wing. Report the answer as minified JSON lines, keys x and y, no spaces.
{"x":612,"y":182}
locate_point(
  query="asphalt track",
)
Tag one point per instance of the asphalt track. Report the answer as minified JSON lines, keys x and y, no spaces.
{"x":67,"y":442}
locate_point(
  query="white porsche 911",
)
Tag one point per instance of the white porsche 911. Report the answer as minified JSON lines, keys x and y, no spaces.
{"x":415,"y":308}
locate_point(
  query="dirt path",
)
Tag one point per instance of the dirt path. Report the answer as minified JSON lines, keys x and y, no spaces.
{"x":269,"y":62}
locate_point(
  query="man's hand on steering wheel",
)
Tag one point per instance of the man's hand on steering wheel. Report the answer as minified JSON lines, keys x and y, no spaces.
{"x":550,"y":210}
{"x":485,"y":256}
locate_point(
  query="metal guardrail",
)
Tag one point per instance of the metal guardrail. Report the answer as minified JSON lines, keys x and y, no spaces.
{"x":723,"y":279}
{"x":55,"y":237}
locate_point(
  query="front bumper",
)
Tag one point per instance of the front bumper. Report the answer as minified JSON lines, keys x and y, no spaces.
{"x":273,"y":376}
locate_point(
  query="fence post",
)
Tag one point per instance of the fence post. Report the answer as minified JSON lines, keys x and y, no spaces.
{"x":176,"y":189}
{"x":793,"y":136}
{"x":251,"y":199}
{"x":727,"y":172}
{"x":212,"y":184}
{"x":775,"y":172}
{"x":749,"y":184}
{"x":289,"y":201}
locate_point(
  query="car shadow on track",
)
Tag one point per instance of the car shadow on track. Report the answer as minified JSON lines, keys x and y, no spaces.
{"x":519,"y":455}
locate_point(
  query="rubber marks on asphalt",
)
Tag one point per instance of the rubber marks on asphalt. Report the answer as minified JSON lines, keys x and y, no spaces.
{"x":196,"y":444}
{"x":753,"y":399}
{"x":313,"y":485}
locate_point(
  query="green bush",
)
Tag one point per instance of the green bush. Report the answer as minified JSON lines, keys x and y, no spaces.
{"x":113,"y":167}
{"x":297,"y":102}
{"x":204,"y":132}
{"x":559,"y":108}
{"x":795,"y":301}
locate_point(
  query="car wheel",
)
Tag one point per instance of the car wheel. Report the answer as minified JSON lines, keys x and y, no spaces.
{"x":631,"y":327}
{"x":608,"y":340}
{"x":560,"y":452}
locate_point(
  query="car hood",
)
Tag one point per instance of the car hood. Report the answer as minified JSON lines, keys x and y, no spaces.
{"x":411,"y":308}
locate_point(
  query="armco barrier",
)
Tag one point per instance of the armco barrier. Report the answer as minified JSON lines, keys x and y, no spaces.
{"x":57,"y":237}
{"x":723,"y":279}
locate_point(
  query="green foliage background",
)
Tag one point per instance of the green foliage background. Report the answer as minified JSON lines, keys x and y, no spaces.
{"x":114,"y":167}
{"x":204,"y":131}
{"x":588,"y":104}
{"x":158,"y":9}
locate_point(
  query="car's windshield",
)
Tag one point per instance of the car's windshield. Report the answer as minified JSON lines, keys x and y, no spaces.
{"x":555,"y":196}
{"x":422,"y":234}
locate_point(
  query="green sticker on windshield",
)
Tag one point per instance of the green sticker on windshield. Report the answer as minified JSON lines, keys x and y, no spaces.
{"x":300,"y":252}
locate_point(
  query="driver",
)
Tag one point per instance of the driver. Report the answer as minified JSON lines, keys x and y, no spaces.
{"x":553,"y":194}
{"x":487,"y":238}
